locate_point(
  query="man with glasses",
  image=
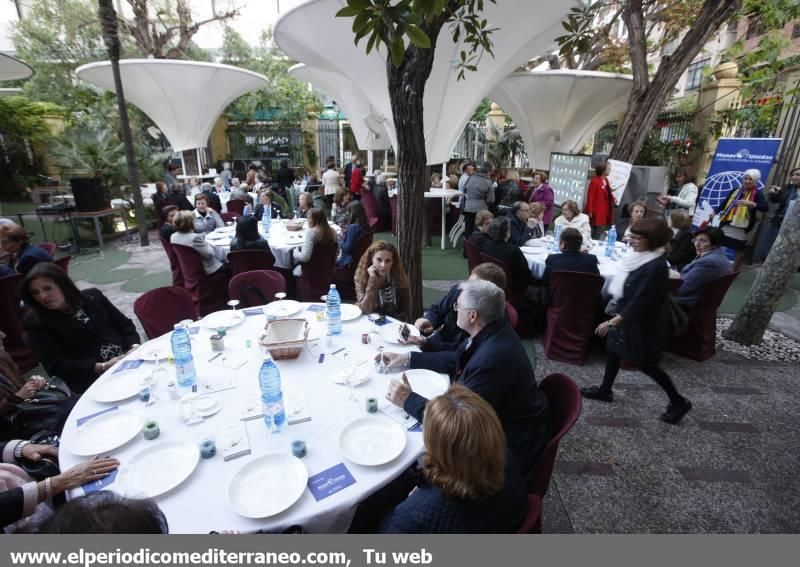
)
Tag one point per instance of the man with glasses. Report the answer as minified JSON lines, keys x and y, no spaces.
{"x":492,"y":363}
{"x":711,"y":263}
{"x":521,"y":226}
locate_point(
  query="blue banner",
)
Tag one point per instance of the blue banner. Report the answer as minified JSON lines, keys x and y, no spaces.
{"x":732,"y":158}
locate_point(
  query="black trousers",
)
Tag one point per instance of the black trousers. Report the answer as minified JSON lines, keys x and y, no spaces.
{"x":653,"y":371}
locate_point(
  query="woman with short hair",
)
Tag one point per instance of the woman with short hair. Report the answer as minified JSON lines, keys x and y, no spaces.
{"x":106,"y":512}
{"x":168,"y":219}
{"x":185,"y":234}
{"x":637,"y":211}
{"x":25,"y":255}
{"x":206,"y":219}
{"x":543,"y":193}
{"x":600,"y":201}
{"x":681,"y":247}
{"x":341,"y":200}
{"x":480,"y":235}
{"x":537,"y":219}
{"x":470,"y":483}
{"x":572,"y":217}
{"x":737,"y":213}
{"x":381,"y":282}
{"x":304,"y":204}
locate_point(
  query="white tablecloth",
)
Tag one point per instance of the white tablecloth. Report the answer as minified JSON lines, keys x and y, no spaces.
{"x":281,"y":241}
{"x":200,"y":503}
{"x":536,"y":262}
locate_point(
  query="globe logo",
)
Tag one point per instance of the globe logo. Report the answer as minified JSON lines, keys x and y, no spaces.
{"x":743,"y":154}
{"x":717,"y":187}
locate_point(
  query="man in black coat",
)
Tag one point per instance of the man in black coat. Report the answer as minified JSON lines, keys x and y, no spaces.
{"x":493,"y":363}
{"x":500,"y":248}
{"x":518,"y":217}
{"x":571,"y":259}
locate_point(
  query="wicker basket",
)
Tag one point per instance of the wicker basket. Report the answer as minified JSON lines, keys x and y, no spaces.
{"x":285,"y":338}
{"x":294,"y":226}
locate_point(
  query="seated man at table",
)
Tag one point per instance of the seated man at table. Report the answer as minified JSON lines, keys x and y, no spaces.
{"x":519,"y":219}
{"x":498,"y":247}
{"x":492,"y":363}
{"x":710,"y":264}
{"x":571,"y":259}
{"x":206,"y":219}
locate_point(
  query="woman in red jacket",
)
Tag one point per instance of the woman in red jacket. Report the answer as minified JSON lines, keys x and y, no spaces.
{"x":600,"y":201}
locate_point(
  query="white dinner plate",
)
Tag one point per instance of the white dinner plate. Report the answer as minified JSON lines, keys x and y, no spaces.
{"x":267,"y":485}
{"x":154,"y":350}
{"x":158,"y":469}
{"x":283,"y":308}
{"x":118,"y":386}
{"x":228,"y":318}
{"x":427,"y":383}
{"x":350,"y":312}
{"x":106,"y":432}
{"x":391,"y":332}
{"x":372,"y":441}
{"x":360,"y":372}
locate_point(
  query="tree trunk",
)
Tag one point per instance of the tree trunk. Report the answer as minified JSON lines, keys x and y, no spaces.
{"x":771,"y":282}
{"x":406,"y":93}
{"x":647,"y":98}
{"x":108,"y":19}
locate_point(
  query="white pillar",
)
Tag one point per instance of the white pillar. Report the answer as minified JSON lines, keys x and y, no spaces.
{"x":370,"y":163}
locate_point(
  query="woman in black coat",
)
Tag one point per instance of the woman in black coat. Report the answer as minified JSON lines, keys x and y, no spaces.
{"x":641,"y":326}
{"x":247,"y":235}
{"x":76,"y":335}
{"x":681,"y":247}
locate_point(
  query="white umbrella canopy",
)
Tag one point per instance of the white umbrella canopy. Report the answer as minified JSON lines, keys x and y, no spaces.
{"x":12,"y":69}
{"x":369,"y":126}
{"x":526,"y":29}
{"x":558,"y":111}
{"x":183,"y":98}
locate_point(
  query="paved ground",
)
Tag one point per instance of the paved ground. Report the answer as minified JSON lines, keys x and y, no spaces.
{"x":730,"y":467}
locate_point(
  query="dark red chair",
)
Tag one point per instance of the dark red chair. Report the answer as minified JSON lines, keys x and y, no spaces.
{"x":209,"y":291}
{"x":393,"y":207}
{"x":10,"y":323}
{"x":473,"y":254}
{"x":257,"y":287}
{"x":63,"y":263}
{"x":317,"y":273}
{"x":159,"y":309}
{"x":177,"y":276}
{"x":511,"y":315}
{"x":699,"y":340}
{"x":533,"y":519}
{"x":574,"y":298}
{"x":48,"y":247}
{"x":236,"y":207}
{"x":564,"y":399}
{"x":343,"y":275}
{"x":370,"y":204}
{"x":250,"y":260}
{"x":229,"y":217}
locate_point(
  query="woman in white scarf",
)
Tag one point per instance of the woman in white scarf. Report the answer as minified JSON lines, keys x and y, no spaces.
{"x":640,"y":328}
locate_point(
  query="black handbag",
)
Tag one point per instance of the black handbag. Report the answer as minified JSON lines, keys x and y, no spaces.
{"x":45,"y":467}
{"x":47,"y":410}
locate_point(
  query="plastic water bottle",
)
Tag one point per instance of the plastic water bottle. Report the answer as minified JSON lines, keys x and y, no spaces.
{"x":246,"y":212}
{"x":266,"y":221}
{"x":556,"y":240}
{"x":185,"y":373}
{"x":334,"y":311}
{"x":611,"y":242}
{"x":269,"y":378}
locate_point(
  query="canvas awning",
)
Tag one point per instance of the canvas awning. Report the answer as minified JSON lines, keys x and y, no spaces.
{"x":12,"y":69}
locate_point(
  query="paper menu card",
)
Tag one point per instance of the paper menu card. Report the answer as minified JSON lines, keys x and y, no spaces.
{"x":234,"y":441}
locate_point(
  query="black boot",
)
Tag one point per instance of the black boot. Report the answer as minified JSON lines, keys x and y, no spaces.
{"x":675,"y":412}
{"x":598,"y":393}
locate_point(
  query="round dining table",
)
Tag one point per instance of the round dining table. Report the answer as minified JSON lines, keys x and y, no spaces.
{"x":201,"y":503}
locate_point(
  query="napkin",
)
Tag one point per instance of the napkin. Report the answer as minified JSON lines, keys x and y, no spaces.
{"x":82,"y":420}
{"x":396,"y":414}
{"x":228,"y":361}
{"x":316,"y":307}
{"x":296,"y":408}
{"x":194,"y":330}
{"x":217,"y":384}
{"x":330,"y":481}
{"x":251,"y":408}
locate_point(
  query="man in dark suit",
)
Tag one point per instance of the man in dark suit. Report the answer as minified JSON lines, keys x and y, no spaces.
{"x":571,"y":259}
{"x":492,"y":363}
{"x":518,"y":217}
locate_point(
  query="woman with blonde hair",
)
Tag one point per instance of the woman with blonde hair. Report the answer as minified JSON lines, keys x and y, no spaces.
{"x":471,"y":482}
{"x":381,"y":283}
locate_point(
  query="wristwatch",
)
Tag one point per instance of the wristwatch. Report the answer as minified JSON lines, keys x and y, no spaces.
{"x":18,"y":449}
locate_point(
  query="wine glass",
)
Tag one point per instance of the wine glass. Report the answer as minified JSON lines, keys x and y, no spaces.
{"x":323,"y":314}
{"x":233,"y":303}
{"x":281,"y":309}
{"x":351,"y":379}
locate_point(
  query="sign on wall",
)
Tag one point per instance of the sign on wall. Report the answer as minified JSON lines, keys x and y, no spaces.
{"x":569,"y":174}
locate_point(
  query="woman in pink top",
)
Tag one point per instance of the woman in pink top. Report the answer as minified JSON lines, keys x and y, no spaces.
{"x":543,"y":193}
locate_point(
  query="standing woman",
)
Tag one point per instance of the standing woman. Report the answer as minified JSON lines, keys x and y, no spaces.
{"x":479,"y":195}
{"x":687,"y":195}
{"x":318,"y":231}
{"x":381,"y":283}
{"x":160,"y":197}
{"x":737,"y":213}
{"x":14,"y":240}
{"x":76,"y":335}
{"x":600,"y":201}
{"x":543,"y":193}
{"x":641,"y":326}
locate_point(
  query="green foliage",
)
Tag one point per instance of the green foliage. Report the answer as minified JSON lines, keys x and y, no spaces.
{"x":580,"y":29}
{"x":656,"y":152}
{"x":397,"y":26}
{"x":25,"y":119}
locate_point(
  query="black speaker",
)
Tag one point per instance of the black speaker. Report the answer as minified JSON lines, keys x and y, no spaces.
{"x":89,"y":195}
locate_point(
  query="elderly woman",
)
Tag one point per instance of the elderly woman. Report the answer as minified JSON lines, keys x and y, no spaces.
{"x":14,"y":240}
{"x":736,"y":215}
{"x":247,"y":235}
{"x":710,"y":264}
{"x":572,"y":217}
{"x":76,"y":335}
{"x":641,"y":326}
{"x":381,"y":282}
{"x":304,"y":204}
{"x":479,"y":193}
{"x":339,"y":210}
{"x":318,"y":231}
{"x":536,"y":220}
{"x":481,"y":233}
{"x":681,"y":247}
{"x":543,"y":193}
{"x":267,"y":204}
{"x":470,"y":483}
{"x":206,"y":219}
{"x":214,"y":258}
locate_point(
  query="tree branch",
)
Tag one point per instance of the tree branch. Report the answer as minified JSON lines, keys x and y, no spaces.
{"x":633,"y":17}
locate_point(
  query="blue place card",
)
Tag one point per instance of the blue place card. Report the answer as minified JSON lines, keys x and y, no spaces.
{"x":330,"y":481}
{"x":128,"y":365}
{"x":100,"y":484}
{"x":253,"y":311}
{"x":316,"y":307}
{"x":82,"y":420}
{"x":386,"y":321}
{"x":194,"y":330}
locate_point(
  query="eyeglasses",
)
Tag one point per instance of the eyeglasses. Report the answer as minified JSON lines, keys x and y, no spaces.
{"x":456,"y":307}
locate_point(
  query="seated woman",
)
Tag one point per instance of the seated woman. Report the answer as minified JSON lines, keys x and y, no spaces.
{"x":304,"y":204}
{"x":318,"y":231}
{"x":14,"y":240}
{"x":710,"y":264}
{"x":106,"y":512}
{"x":537,"y":219}
{"x":483,"y":219}
{"x":21,"y":496}
{"x":168,"y":215}
{"x":266,"y":204}
{"x":681,"y":247}
{"x":213,"y":257}
{"x":206,"y":219}
{"x":357,"y":225}
{"x":381,"y":283}
{"x":76,"y":335}
{"x":572,"y":217}
{"x":638,"y":211}
{"x":471,"y":483}
{"x":339,"y":210}
{"x":247,"y":235}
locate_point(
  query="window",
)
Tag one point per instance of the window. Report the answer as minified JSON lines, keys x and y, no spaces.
{"x":754,"y":27}
{"x":694,"y":74}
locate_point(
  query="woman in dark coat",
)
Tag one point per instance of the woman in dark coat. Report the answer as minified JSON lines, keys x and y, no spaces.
{"x":14,"y":240}
{"x":76,"y":335}
{"x":641,"y":326}
{"x":357,"y":225}
{"x":681,"y":247}
{"x":247,"y":235}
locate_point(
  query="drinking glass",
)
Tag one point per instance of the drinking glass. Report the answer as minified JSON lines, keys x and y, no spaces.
{"x":281,"y":309}
{"x":233,"y":303}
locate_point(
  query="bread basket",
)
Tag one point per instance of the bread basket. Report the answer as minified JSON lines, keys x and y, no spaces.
{"x":294,"y":226}
{"x":285,"y":338}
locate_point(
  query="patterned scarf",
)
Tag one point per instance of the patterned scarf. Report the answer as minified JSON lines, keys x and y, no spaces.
{"x":738,"y":215}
